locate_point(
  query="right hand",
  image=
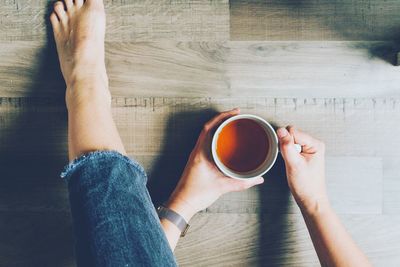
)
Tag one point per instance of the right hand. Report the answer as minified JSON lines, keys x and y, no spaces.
{"x":305,"y":171}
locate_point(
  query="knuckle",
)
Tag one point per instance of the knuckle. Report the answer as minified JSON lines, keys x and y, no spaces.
{"x":206,"y":127}
{"x":197,"y":158}
{"x":291,"y":129}
{"x":284,"y":143}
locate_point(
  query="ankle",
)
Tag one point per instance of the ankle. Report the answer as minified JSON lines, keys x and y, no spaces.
{"x":87,"y":74}
{"x":88,"y":80}
{"x":87,"y":90}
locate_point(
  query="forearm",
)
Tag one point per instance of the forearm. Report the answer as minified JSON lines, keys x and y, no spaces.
{"x":333,"y":244}
{"x":171,"y":231}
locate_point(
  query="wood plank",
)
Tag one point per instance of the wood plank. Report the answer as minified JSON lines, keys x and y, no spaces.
{"x":311,"y":69}
{"x":251,"y":240}
{"x":126,"y":20}
{"x":314,"y":20}
{"x":204,"y":69}
{"x":346,"y":125}
{"x":391,"y":182}
{"x":219,"y":20}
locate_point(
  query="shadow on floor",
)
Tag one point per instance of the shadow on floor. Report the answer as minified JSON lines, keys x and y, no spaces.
{"x":326,"y":20}
{"x":35,"y":223}
{"x":386,"y":51}
{"x":274,"y":202}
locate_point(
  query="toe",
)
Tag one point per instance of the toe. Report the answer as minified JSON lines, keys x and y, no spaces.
{"x":96,"y":3}
{"x":69,"y":4}
{"x":54,"y":21}
{"x":78,"y":3}
{"x":60,"y":11}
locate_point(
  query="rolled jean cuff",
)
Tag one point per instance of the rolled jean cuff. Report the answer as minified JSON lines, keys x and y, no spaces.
{"x":98,"y":155}
{"x":115,"y":222}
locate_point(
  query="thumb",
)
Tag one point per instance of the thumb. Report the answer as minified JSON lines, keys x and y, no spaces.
{"x":287,"y":146}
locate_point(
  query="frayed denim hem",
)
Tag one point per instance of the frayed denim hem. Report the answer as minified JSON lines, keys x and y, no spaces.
{"x":79,"y":161}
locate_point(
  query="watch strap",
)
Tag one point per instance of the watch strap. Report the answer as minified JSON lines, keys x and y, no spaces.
{"x":173,"y":217}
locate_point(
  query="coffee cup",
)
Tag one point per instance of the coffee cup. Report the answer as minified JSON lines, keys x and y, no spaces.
{"x":244,"y":146}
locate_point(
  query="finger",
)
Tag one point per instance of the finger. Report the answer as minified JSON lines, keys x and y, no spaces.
{"x":214,"y":122}
{"x":211,"y":124}
{"x":235,"y":185}
{"x":287,"y":147}
{"x":309,"y":144}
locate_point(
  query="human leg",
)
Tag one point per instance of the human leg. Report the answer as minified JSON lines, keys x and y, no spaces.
{"x":79,"y":30}
{"x":115,"y":222}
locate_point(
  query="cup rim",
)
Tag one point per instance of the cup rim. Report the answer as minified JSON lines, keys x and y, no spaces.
{"x":231,"y":173}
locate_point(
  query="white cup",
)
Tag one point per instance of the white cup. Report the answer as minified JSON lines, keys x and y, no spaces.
{"x":269,"y":159}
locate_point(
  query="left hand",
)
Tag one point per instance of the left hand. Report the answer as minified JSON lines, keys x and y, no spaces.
{"x":202,"y":183}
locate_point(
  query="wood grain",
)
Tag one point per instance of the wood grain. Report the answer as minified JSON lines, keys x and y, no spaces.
{"x":253,"y":240}
{"x":151,"y":20}
{"x":145,"y":20}
{"x":314,"y":20}
{"x":210,"y":69}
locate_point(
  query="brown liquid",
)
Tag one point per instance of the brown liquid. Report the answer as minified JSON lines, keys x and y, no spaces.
{"x":242,"y":145}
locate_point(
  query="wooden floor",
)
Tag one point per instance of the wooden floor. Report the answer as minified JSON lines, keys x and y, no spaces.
{"x":325,"y":66}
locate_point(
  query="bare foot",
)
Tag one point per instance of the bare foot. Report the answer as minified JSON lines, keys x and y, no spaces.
{"x":79,"y":29}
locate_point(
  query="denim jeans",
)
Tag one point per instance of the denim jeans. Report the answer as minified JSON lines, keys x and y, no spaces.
{"x":115,"y":222}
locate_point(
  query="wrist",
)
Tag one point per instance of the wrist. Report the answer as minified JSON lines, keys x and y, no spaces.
{"x":181,"y":207}
{"x":315,"y":207}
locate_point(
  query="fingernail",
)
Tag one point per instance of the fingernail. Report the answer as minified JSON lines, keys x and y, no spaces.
{"x":281,"y":132}
{"x":260,"y":180}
